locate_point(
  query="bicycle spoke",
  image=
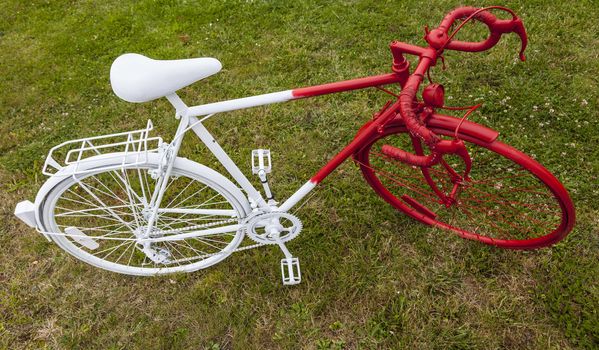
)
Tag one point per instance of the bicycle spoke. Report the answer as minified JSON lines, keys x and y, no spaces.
{"x":179,"y":194}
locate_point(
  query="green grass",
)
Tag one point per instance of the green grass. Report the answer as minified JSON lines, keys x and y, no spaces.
{"x":373,"y":278}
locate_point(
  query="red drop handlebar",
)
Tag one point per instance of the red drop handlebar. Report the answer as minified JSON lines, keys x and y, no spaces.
{"x":439,"y":40}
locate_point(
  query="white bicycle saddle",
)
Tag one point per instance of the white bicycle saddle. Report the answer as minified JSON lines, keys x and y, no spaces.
{"x":137,"y":78}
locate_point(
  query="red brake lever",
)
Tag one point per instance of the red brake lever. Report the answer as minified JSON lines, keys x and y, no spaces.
{"x":519,"y":29}
{"x":514,"y":25}
{"x":458,"y":148}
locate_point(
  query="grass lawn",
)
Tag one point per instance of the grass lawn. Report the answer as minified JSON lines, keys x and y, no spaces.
{"x":372,"y":277}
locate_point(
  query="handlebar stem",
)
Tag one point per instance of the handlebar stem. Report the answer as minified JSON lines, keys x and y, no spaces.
{"x":399,"y":47}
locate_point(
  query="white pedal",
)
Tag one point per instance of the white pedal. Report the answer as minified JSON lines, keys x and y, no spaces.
{"x":290,"y":269}
{"x":261,"y":161}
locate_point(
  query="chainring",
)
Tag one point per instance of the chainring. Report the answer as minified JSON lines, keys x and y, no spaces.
{"x":289,"y":225}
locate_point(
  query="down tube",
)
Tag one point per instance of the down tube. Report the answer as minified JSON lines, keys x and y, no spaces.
{"x":362,"y":138}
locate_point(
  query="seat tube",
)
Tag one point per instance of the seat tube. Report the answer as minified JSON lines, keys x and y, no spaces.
{"x":220,"y":154}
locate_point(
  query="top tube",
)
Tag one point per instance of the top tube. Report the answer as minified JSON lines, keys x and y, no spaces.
{"x":287,"y":95}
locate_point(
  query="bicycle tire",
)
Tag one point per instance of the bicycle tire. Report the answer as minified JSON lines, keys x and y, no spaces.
{"x":56,"y":207}
{"x":476,"y":216}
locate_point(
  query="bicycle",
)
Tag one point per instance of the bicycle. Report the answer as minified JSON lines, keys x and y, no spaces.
{"x":128,"y":203}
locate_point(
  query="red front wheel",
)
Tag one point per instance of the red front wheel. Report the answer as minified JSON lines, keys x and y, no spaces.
{"x":510,"y":200}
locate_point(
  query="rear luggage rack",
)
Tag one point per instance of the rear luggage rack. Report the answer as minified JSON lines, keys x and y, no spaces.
{"x":132,"y":146}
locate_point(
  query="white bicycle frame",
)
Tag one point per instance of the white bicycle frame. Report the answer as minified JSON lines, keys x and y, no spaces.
{"x":189,"y":121}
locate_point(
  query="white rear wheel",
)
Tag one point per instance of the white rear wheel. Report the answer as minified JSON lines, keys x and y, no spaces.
{"x":100,"y":215}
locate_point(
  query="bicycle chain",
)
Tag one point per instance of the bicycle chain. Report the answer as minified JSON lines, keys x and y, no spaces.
{"x":251,"y":246}
{"x":175,"y":230}
{"x":205,"y":256}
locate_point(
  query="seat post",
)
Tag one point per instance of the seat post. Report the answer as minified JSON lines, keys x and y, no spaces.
{"x":179,"y":105}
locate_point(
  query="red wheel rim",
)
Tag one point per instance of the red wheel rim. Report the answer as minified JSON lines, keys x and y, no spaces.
{"x":554,"y":187}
